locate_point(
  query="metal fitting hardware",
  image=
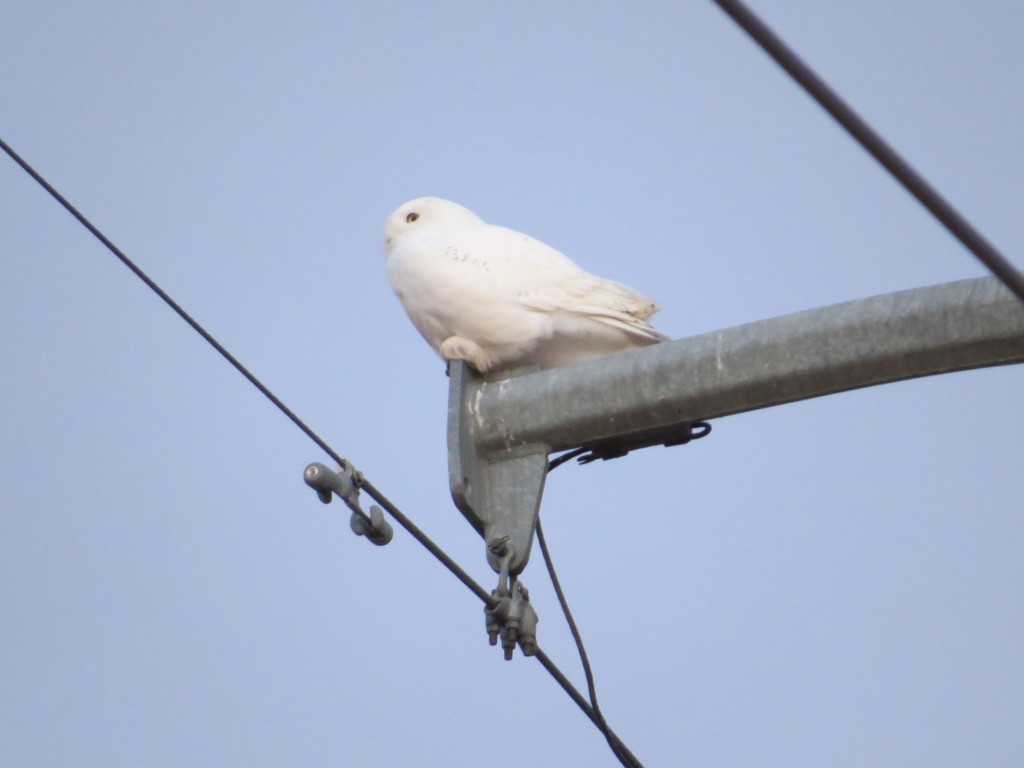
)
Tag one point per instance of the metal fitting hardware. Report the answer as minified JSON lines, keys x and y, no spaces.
{"x":345,"y":484}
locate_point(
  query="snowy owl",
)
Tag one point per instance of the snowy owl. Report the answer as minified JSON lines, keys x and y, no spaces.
{"x":500,"y":299}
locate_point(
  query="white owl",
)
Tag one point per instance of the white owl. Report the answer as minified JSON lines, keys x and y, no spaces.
{"x":498,"y":299}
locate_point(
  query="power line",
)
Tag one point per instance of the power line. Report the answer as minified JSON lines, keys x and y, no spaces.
{"x":172,"y":304}
{"x":625,"y":756}
{"x":619,"y":749}
{"x":868,"y":138}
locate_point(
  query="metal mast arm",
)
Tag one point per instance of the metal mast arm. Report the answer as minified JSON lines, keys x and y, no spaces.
{"x":500,"y":432}
{"x":920,"y":332}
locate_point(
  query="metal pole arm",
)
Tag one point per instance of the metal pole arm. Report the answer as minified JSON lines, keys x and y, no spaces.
{"x":637,"y":394}
{"x":501,"y":432}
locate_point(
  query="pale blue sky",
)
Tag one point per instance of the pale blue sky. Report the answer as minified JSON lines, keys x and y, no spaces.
{"x":832,"y":583}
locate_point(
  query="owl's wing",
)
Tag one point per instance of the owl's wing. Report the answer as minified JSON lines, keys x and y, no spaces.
{"x":545,"y":280}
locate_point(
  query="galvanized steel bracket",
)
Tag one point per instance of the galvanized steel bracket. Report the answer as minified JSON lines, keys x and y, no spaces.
{"x":499,"y":491}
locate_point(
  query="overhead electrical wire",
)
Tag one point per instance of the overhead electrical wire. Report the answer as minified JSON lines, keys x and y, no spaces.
{"x":618,"y":747}
{"x":625,"y":756}
{"x":878,"y":147}
{"x":171,"y":302}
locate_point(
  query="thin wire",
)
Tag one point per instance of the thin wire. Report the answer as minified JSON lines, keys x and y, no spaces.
{"x":430,"y":546}
{"x":618,"y":749}
{"x":567,"y":456}
{"x":868,"y":138}
{"x":363,"y":483}
{"x":562,"y":680}
{"x":173,"y":305}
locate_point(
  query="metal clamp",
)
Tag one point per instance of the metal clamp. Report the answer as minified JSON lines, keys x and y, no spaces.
{"x":512,"y":616}
{"x":514,"y":619}
{"x":345,"y":483}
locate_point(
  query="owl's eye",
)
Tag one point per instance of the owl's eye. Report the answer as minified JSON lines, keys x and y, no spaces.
{"x":412,"y":217}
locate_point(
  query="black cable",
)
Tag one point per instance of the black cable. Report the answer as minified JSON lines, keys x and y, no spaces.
{"x":625,"y":757}
{"x":868,"y":138}
{"x":427,"y":543}
{"x":177,"y":308}
{"x":361,"y":481}
{"x":621,"y":750}
{"x":567,"y":456}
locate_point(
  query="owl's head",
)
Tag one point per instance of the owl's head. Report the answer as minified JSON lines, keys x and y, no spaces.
{"x":424,"y":214}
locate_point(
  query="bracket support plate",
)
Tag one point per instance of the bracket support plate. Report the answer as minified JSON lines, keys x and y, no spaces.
{"x":500,"y":492}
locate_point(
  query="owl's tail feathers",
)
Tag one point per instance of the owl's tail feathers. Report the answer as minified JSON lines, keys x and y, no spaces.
{"x":638,"y":329}
{"x":621,"y":307}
